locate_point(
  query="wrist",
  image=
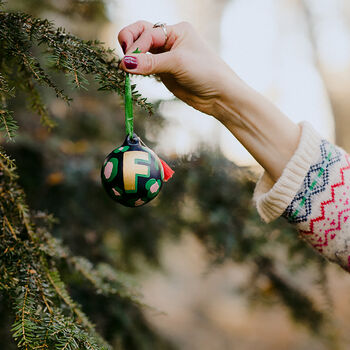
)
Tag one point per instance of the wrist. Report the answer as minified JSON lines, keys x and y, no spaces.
{"x":267,"y":134}
{"x":234,"y":100}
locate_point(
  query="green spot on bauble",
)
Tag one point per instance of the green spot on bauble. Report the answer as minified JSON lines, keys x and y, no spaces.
{"x":110,"y":169}
{"x":153,"y":187}
{"x":121,"y":149}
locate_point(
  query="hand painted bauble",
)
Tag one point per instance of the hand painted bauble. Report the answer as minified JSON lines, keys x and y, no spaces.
{"x":132,"y":174}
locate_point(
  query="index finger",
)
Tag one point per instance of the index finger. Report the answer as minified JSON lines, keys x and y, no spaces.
{"x":128,"y":35}
{"x":146,"y":37}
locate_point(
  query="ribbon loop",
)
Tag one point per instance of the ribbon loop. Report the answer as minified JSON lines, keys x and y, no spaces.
{"x":129,"y":116}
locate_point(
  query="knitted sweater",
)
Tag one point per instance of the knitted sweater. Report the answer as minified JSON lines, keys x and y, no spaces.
{"x":313,"y":193}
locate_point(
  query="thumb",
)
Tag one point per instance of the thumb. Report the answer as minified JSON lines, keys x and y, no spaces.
{"x":146,"y":64}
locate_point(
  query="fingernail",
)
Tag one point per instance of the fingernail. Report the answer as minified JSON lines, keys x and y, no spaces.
{"x":130,"y":62}
{"x":124,"y":46}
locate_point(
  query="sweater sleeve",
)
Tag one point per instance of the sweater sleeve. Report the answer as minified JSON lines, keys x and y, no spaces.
{"x":313,"y":193}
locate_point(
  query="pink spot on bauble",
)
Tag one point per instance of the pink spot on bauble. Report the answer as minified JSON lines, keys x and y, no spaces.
{"x":154,"y":188}
{"x":139,"y":202}
{"x":108,"y":170}
{"x":332,"y":236}
{"x":346,"y":218}
{"x":116,"y":192}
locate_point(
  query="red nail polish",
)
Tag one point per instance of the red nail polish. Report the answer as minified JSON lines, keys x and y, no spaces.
{"x":124,"y":46}
{"x":130,"y":62}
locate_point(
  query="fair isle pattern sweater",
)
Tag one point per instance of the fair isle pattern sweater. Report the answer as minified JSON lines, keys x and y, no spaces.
{"x":313,"y":193}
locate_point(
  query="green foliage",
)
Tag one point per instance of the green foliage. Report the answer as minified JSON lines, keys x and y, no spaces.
{"x":21,"y":36}
{"x":7,"y":124}
{"x":42,"y":281}
{"x":46,"y":315}
{"x":218,"y":194}
{"x":75,"y":10}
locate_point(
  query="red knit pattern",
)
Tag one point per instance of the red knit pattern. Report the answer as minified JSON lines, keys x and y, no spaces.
{"x":324,"y":240}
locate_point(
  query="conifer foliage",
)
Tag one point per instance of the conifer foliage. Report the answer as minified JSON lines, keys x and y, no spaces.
{"x":21,"y":35}
{"x":45,"y":315}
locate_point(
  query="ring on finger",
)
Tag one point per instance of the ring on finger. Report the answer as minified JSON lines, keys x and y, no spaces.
{"x":163,"y":26}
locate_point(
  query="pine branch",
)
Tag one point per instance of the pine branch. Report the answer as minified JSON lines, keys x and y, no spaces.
{"x":7,"y":124}
{"x":103,"y":277}
{"x":5,"y":90}
{"x":21,"y":35}
{"x":46,"y":315}
{"x":8,"y":163}
{"x":58,"y":285}
{"x":36,"y":105}
{"x":106,"y":280}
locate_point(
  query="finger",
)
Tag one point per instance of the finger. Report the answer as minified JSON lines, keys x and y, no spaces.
{"x":130,"y":33}
{"x":147,"y":64}
{"x":149,"y":40}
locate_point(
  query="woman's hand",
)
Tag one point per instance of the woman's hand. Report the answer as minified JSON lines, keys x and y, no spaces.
{"x":198,"y":76}
{"x":187,"y":66}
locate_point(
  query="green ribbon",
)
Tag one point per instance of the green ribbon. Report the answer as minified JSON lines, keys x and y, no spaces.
{"x":129,"y":116}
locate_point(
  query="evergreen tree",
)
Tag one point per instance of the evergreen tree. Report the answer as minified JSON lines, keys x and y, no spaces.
{"x":45,"y":315}
{"x":58,"y":172}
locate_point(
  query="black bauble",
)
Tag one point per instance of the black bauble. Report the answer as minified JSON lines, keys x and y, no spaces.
{"x":132,"y":174}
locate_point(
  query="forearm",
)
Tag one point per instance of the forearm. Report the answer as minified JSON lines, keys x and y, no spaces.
{"x":269,"y":135}
{"x":307,"y":179}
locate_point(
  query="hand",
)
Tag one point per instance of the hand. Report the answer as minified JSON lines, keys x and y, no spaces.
{"x":198,"y":76}
{"x":190,"y":69}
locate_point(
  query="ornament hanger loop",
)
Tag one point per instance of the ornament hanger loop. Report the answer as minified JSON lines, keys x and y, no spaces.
{"x":129,"y":116}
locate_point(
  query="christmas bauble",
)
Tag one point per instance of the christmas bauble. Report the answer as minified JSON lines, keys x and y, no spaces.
{"x":132,"y":174}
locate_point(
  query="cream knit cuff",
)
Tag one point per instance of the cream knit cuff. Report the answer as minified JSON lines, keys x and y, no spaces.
{"x":271,"y":198}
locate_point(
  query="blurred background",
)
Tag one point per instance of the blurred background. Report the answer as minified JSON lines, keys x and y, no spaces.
{"x":212,"y":274}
